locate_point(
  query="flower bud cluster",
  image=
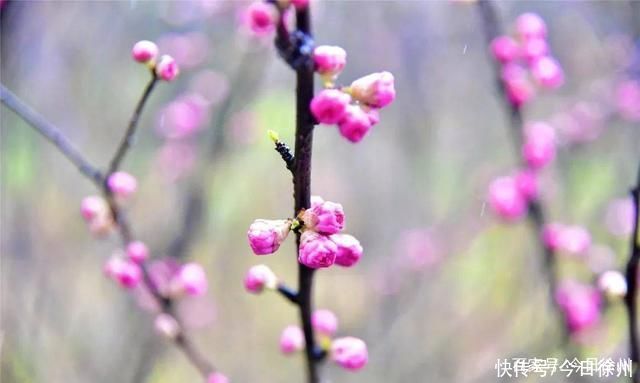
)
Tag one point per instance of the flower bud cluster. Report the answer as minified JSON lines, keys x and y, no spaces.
{"x":526,"y":59}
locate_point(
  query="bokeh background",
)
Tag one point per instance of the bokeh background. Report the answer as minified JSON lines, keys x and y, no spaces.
{"x":444,"y":288}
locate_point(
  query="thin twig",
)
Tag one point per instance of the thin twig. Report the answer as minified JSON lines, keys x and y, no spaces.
{"x":54,"y":135}
{"x":51,"y":133}
{"x":631,"y":275}
{"x":127,"y":139}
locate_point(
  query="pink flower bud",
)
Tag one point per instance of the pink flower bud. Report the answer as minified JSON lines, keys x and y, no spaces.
{"x":329,"y":60}
{"x":355,"y":124}
{"x":504,"y":49}
{"x":300,"y":4}
{"x":349,"y":249}
{"x":349,"y":353}
{"x":527,"y":184}
{"x":519,"y":91}
{"x":330,"y":105}
{"x":260,"y":277}
{"x":326,"y":218}
{"x":539,"y":146}
{"x":580,"y":304}
{"x":547,"y":72}
{"x":574,"y":240}
{"x":530,"y":25}
{"x":123,"y":271}
{"x":144,"y":51}
{"x":506,"y":200}
{"x":166,"y":325}
{"x":291,"y":340}
{"x":137,"y":252}
{"x":613,"y":284}
{"x":535,"y":48}
{"x":112,"y":265}
{"x":375,"y":90}
{"x":551,"y":234}
{"x":192,"y":279}
{"x":316,"y":200}
{"x":373,"y":114}
{"x":627,"y":100}
{"x":261,"y":18}
{"x":324,"y":322}
{"x":102,"y":224}
{"x":122,"y":184}
{"x":513,"y":72}
{"x":217,"y":377}
{"x":93,"y":207}
{"x":316,"y":250}
{"x":167,"y":68}
{"x":265,"y":236}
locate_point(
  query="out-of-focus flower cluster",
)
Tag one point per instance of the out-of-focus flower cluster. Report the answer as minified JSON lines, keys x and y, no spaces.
{"x":511,"y":197}
{"x":524,"y":57}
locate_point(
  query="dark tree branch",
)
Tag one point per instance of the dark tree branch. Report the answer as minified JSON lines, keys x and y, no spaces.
{"x":51,"y":133}
{"x":302,"y":190}
{"x":295,"y":49}
{"x":631,"y":275}
{"x":54,"y":135}
{"x":536,"y":214}
{"x":128,"y":138}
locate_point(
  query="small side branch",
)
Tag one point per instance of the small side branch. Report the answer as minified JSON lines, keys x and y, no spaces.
{"x":127,"y":140}
{"x":631,"y":275}
{"x":283,"y":149}
{"x":288,"y":293}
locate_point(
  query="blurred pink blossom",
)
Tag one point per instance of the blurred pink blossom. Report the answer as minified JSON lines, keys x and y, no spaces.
{"x":259,"y":18}
{"x":176,"y":159}
{"x":291,"y":340}
{"x":580,"y":304}
{"x":574,"y":240}
{"x":211,"y":86}
{"x":620,"y":216}
{"x":535,"y":48}
{"x":349,"y":353}
{"x":505,"y":48}
{"x":506,"y":200}
{"x":547,"y":72}
{"x":183,"y":117}
{"x":196,"y":311}
{"x":417,"y":249}
{"x":189,"y":49}
{"x":627,"y":100}
{"x":530,"y":25}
